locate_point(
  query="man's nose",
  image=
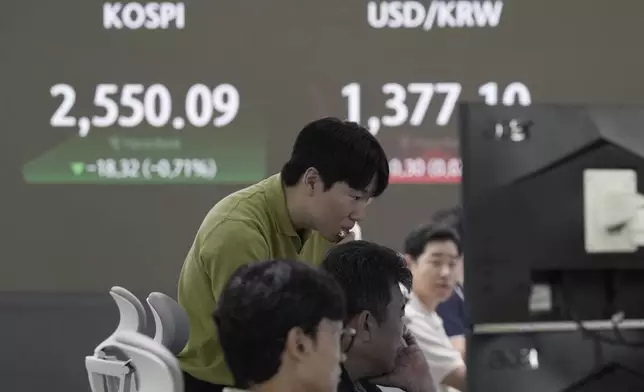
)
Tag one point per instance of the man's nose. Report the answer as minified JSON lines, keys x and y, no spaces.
{"x":359,"y":213}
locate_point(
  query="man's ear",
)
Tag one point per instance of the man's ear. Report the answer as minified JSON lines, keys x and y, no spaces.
{"x":298,"y":345}
{"x":363,"y":323}
{"x":409,"y":261}
{"x":311,"y":179}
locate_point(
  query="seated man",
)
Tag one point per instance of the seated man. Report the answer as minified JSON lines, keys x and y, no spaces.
{"x":452,"y":310}
{"x":280,"y":324}
{"x":370,"y":275}
{"x":433,"y":254}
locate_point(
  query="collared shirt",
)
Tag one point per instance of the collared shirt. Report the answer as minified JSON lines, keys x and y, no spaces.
{"x":250,"y":225}
{"x":349,"y":385}
{"x":427,"y":328}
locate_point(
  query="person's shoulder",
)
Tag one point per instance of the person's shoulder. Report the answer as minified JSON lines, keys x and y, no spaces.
{"x":415,"y":309}
{"x":431,"y":323}
{"x":421,"y":319}
{"x":245,"y":203}
{"x":452,"y":304}
{"x":243,"y":210}
{"x":454,"y":298}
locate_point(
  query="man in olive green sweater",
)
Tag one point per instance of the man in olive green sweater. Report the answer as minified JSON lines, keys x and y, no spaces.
{"x":336,"y":168}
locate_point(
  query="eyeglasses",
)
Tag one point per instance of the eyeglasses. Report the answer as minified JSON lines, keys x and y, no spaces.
{"x":346,"y":339}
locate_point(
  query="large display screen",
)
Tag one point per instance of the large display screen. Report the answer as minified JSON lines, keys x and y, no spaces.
{"x":124,"y":122}
{"x":137,"y":139}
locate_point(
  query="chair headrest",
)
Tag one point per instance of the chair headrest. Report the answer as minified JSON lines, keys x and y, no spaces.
{"x":131,"y":298}
{"x":172,"y":323}
{"x":132,"y":318}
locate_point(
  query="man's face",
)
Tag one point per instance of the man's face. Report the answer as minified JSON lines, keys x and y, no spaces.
{"x":319,"y":371}
{"x":339,"y":208}
{"x":436,"y":270}
{"x":380,"y":343}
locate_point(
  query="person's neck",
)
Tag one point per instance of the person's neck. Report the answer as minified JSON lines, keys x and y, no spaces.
{"x":276,"y":384}
{"x":428,"y":301}
{"x":356,"y":368}
{"x":295,"y":208}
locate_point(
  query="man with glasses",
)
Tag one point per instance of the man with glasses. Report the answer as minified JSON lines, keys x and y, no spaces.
{"x":281,"y":327}
{"x":379,"y":353}
{"x":433,"y":254}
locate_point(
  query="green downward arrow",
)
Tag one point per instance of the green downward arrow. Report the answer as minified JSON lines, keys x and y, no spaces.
{"x":77,"y":168}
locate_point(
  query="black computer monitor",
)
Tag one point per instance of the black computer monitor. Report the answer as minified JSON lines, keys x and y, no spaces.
{"x":563,"y":361}
{"x":523,"y":203}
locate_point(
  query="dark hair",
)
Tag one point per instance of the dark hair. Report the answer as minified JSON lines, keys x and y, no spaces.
{"x":341,"y":151}
{"x":366,"y":272}
{"x":418,"y":239}
{"x":450,"y":217}
{"x":261,"y":303}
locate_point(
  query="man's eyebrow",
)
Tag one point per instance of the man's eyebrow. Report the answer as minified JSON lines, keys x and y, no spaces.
{"x":439,"y":253}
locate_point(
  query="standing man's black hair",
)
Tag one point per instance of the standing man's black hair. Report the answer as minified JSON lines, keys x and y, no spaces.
{"x":366,"y":272}
{"x":261,"y":303}
{"x":341,"y":151}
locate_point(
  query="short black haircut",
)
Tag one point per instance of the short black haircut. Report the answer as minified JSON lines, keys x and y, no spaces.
{"x":366,"y":272}
{"x":341,"y":151}
{"x":418,"y":239}
{"x":450,"y":217}
{"x":261,"y":303}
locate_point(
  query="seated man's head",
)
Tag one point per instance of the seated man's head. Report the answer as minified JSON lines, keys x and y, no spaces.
{"x":370,"y":276}
{"x":452,"y":218}
{"x":335,"y":169}
{"x":280,"y":327}
{"x":433,"y":254}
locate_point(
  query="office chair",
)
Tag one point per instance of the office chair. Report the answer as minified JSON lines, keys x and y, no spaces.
{"x":157,"y":369}
{"x":108,"y":369}
{"x":171,"y":321}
